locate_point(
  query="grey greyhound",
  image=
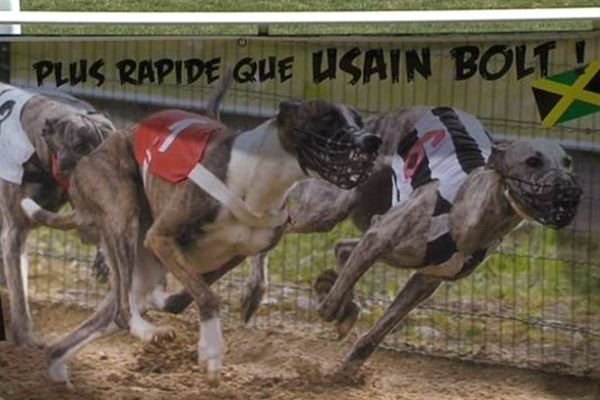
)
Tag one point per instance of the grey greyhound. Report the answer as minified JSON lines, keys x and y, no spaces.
{"x":42,"y":136}
{"x":200,"y":223}
{"x":499,"y":186}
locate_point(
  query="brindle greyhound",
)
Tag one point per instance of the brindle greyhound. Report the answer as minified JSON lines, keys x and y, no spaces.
{"x":199,"y":233}
{"x":60,"y":130}
{"x":522,"y":180}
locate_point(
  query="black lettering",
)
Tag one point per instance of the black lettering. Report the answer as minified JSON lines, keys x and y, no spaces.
{"x":395,"y":65}
{"x":421,"y":65}
{"x":521,"y":60}
{"x":43,"y":69}
{"x":126,"y":69}
{"x":465,"y":58}
{"x":96,"y":72}
{"x":507,"y":57}
{"x":146,"y":72}
{"x":194,"y":68}
{"x":210,"y":69}
{"x":374,"y":64}
{"x":284,"y":68}
{"x":543,"y":53}
{"x":319,"y":75}
{"x":346,"y":64}
{"x":75,"y":77}
{"x":60,"y":80}
{"x":164,"y":67}
{"x":265,"y":72}
{"x":244,"y":70}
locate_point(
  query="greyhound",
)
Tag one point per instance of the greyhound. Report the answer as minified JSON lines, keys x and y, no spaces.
{"x":441,"y":226}
{"x":202,"y":220}
{"x":42,"y":136}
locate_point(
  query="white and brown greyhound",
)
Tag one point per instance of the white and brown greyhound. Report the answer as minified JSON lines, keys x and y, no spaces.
{"x":198,"y":219}
{"x":441,"y":197}
{"x":42,"y":136}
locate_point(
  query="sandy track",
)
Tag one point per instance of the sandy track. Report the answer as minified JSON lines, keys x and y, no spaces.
{"x":261,"y":364}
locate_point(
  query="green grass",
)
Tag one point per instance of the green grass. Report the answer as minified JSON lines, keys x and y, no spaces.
{"x":292,"y":5}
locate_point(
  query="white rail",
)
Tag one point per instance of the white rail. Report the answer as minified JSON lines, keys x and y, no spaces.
{"x":265,"y":18}
{"x":10,"y":5}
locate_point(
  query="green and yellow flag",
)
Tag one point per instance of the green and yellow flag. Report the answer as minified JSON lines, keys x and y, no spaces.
{"x":568,"y":95}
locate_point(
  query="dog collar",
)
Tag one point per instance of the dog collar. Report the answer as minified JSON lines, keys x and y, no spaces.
{"x":60,"y":179}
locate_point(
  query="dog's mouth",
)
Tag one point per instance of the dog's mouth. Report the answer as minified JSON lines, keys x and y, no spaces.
{"x":345,"y":159}
{"x":551,"y":199}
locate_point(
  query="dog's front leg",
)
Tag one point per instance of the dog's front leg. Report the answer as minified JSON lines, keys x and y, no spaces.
{"x":15,"y":270}
{"x":177,"y":302}
{"x":417,"y":289}
{"x":375,"y":242}
{"x":210,"y":345}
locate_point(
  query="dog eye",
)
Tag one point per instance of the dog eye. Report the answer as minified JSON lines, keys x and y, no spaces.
{"x":567,"y":162}
{"x":327,"y":118}
{"x":80,"y":148}
{"x":534,"y":162}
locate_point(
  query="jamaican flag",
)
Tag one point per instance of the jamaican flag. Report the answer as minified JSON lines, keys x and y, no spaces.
{"x":568,"y":95}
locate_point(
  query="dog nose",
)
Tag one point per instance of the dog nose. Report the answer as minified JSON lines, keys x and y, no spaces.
{"x":370,"y":143}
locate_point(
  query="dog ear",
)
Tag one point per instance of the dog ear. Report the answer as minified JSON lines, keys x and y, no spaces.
{"x":288,"y":107}
{"x":498,"y":156}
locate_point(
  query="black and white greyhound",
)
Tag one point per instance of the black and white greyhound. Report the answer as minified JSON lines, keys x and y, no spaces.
{"x":200,"y":221}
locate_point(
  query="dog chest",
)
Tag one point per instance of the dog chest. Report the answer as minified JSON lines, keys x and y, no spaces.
{"x":225,"y":239}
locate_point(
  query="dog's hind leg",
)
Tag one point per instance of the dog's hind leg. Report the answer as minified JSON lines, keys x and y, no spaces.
{"x":417,"y":289}
{"x":100,"y":324}
{"x":255,"y":286}
{"x":15,"y":269}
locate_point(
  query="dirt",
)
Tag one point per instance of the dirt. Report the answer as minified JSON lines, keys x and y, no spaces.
{"x":276,"y":363}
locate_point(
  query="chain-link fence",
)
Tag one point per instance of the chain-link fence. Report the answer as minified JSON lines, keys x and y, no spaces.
{"x":535,"y":303}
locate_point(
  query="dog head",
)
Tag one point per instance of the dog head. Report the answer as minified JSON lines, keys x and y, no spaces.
{"x":329,"y":140}
{"x":75,"y":136}
{"x":539,"y":180}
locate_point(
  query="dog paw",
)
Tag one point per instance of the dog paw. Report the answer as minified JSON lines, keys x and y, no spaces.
{"x":252,"y":296}
{"x":324,"y":283}
{"x":30,"y":207}
{"x":347,"y":319}
{"x":162,"y":334}
{"x":58,"y":372}
{"x":213,"y":366}
{"x":27,"y":340}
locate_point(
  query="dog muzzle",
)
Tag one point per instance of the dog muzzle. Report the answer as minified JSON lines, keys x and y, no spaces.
{"x":551,"y":199}
{"x":344,"y":159}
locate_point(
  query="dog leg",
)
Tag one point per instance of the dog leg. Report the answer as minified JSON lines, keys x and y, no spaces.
{"x":99,"y":267}
{"x":349,"y":310}
{"x":374,"y":243}
{"x":385,"y":234}
{"x":255,"y":286}
{"x":176,"y":303}
{"x":210,"y":347}
{"x":100,"y":324}
{"x":418,"y":288}
{"x":13,"y":248}
{"x":120,"y":245}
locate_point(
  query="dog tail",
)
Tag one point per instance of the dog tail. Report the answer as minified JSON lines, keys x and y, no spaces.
{"x":213,"y":108}
{"x":62,"y":221}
